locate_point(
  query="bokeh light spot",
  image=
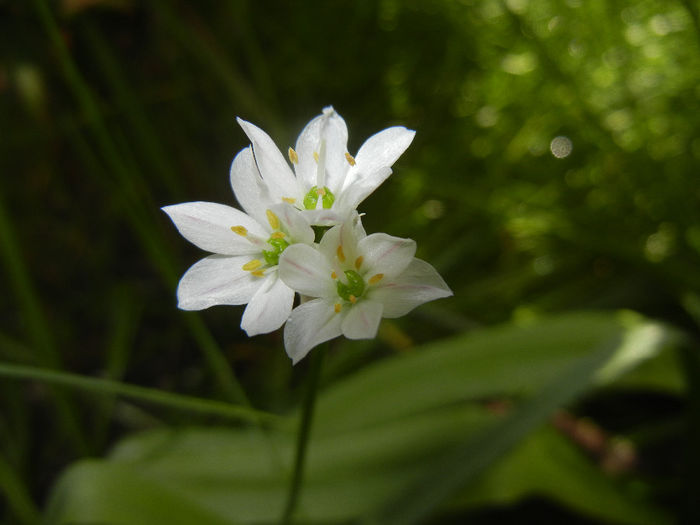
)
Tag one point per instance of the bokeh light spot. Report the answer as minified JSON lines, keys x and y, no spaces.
{"x":561,"y":147}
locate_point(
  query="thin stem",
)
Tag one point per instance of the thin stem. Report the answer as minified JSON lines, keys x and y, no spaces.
{"x":139,"y":393}
{"x":316,"y":358}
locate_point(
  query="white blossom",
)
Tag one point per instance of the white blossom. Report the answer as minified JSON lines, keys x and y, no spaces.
{"x":327,"y":182}
{"x":244,"y":267}
{"x":351,"y":280}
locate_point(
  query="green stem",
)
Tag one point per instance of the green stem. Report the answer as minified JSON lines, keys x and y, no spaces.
{"x":149,"y":395}
{"x":316,"y":358}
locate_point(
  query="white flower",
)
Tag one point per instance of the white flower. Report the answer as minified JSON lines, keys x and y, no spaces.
{"x":327,"y":182}
{"x":244,"y":269}
{"x":355,"y":280}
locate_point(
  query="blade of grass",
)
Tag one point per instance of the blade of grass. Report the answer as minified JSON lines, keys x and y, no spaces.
{"x":145,"y":135}
{"x":37,"y":325}
{"x":139,"y":393}
{"x":18,"y":499}
{"x":208,"y":54}
{"x":161,"y":259}
{"x":125,"y":313}
{"x":130,"y":194}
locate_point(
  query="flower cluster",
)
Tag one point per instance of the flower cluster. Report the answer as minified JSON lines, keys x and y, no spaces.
{"x":263,"y":255}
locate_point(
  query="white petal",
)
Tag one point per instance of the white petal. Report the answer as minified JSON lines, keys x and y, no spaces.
{"x":304,"y":269}
{"x":272,"y":165}
{"x":335,"y":134}
{"x":382,"y":149}
{"x":295,"y":223}
{"x":362,"y":320}
{"x":328,"y":126}
{"x":217,"y":279}
{"x":248,"y":186}
{"x":418,"y":284}
{"x":323,"y":217}
{"x":386,"y":255}
{"x":269,"y":308}
{"x":362,"y":185}
{"x":307,"y":143}
{"x":309,"y":325}
{"x":207,"y":225}
{"x":330,"y":242}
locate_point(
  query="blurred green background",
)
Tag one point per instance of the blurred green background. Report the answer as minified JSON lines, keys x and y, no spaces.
{"x":555,"y":169}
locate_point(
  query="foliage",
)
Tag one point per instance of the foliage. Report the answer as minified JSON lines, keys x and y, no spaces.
{"x":554,"y":170}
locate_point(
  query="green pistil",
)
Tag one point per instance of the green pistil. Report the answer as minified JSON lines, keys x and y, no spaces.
{"x":355,"y":286}
{"x":311,"y":198}
{"x":272,"y":257}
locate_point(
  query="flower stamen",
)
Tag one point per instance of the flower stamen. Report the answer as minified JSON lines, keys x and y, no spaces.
{"x":334,"y":275}
{"x":252,"y":265}
{"x":340,"y":254}
{"x":316,"y":156}
{"x":277,"y":235}
{"x":352,"y":299}
{"x":375,"y":278}
{"x":358,"y":262}
{"x":240,"y":230}
{"x":337,"y":307}
{"x":257,"y":273}
{"x":273,"y":220}
{"x":293,"y":157}
{"x":290,"y":200}
{"x":350,"y":159}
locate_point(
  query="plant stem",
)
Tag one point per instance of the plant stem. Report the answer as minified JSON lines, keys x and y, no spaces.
{"x":139,"y":393}
{"x":316,"y":358}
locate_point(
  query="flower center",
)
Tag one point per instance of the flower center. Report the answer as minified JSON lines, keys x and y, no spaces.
{"x":311,"y":198}
{"x":272,"y":257}
{"x":353,"y":289}
{"x":277,"y":242}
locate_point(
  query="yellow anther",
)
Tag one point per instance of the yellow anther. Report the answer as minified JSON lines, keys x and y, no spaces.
{"x":277,"y":235}
{"x":320,"y":192}
{"x":252,"y":265}
{"x":376,"y":278}
{"x":257,"y":273}
{"x":353,"y":299}
{"x":350,"y":159}
{"x":273,"y":220}
{"x":293,"y":157}
{"x":240,"y":230}
{"x":289,"y":200}
{"x":334,"y":275}
{"x":316,"y":156}
{"x":358,"y":262}
{"x":338,"y":307}
{"x":339,"y":252}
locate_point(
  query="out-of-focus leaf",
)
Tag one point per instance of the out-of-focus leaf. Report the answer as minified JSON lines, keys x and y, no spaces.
{"x":548,"y":465}
{"x":110,"y":493}
{"x":364,"y":456}
{"x":507,"y":360}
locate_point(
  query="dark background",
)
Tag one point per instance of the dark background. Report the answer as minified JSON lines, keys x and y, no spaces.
{"x":555,"y":167}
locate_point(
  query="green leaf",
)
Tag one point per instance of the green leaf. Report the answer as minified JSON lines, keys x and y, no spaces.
{"x":396,"y":441}
{"x":549,"y":465}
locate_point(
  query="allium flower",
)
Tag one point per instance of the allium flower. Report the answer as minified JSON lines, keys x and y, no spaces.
{"x":354,"y":279}
{"x":327,"y":182}
{"x":244,"y":267}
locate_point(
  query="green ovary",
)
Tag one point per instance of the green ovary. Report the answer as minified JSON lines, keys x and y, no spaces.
{"x":355,"y":286}
{"x":311,"y":198}
{"x":272,"y":257}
